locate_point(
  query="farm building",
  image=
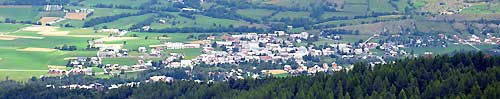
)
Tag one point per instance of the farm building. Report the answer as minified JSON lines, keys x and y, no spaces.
{"x":171,"y":45}
{"x":76,"y":15}
{"x":109,"y":30}
{"x":52,"y":7}
{"x":49,"y":20}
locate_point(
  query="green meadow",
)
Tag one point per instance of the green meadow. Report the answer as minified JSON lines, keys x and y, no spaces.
{"x":125,"y":23}
{"x":20,"y":76}
{"x":255,"y":13}
{"x":133,"y":3}
{"x":199,"y":21}
{"x":11,"y":27}
{"x":20,"y":14}
{"x":22,"y":65}
{"x":482,"y":9}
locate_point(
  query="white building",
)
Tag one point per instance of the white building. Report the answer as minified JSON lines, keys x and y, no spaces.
{"x":186,"y":63}
{"x":171,"y":45}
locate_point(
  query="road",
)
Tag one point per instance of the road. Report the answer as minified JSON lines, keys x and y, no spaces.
{"x":370,"y":38}
{"x":472,"y":46}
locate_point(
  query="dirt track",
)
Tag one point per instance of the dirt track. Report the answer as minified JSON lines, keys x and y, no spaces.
{"x":33,"y":49}
{"x":13,"y":37}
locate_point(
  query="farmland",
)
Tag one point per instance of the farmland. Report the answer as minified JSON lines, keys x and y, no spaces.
{"x":15,"y":59}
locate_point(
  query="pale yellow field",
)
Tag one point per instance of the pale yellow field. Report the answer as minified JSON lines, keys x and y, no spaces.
{"x":34,"y":49}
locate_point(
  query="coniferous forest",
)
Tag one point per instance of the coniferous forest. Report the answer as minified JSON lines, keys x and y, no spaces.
{"x":463,"y":75}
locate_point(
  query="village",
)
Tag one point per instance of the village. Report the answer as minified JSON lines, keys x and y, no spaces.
{"x":250,"y":47}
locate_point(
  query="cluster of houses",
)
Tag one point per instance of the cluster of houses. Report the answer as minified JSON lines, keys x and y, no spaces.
{"x":473,"y":39}
{"x":393,"y":49}
{"x":175,"y":60}
{"x":52,"y":7}
{"x":98,"y":86}
{"x":113,"y":32}
{"x":301,"y":69}
{"x":270,"y":47}
{"x":176,"y":45}
{"x":78,"y":64}
{"x":75,"y":71}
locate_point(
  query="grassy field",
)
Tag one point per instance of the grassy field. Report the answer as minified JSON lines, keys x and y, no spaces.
{"x":340,"y":14}
{"x":20,"y":14}
{"x":402,"y":4}
{"x":75,"y":23}
{"x":356,"y":8}
{"x":125,"y":23}
{"x":419,"y":3}
{"x":153,"y":39}
{"x":122,"y":61}
{"x":133,"y":3}
{"x":291,"y":14}
{"x":359,"y":21}
{"x":427,"y":26}
{"x":51,"y":14}
{"x":99,"y":12}
{"x":189,"y":53}
{"x":449,"y":49}
{"x":20,"y":76}
{"x":81,"y":31}
{"x":380,"y":6}
{"x":282,"y":75}
{"x":255,"y":13}
{"x":200,"y":21}
{"x":13,"y":59}
{"x":482,"y":9}
{"x":47,"y":42}
{"x":11,"y":27}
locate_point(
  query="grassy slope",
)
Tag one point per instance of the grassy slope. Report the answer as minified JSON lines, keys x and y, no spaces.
{"x":99,"y":12}
{"x":380,"y":6}
{"x":255,"y":13}
{"x":290,"y":14}
{"x":26,"y":14}
{"x":448,"y":49}
{"x":482,"y":9}
{"x":133,"y":3}
{"x":200,"y":21}
{"x":125,"y":23}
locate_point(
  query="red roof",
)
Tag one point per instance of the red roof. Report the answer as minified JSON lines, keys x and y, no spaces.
{"x":265,"y":57}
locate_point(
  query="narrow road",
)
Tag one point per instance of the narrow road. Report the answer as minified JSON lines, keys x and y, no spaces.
{"x":472,"y":46}
{"x":369,"y":39}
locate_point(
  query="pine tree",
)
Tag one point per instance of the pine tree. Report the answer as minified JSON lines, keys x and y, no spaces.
{"x":347,"y":96}
{"x":402,"y":94}
{"x":476,"y":90}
